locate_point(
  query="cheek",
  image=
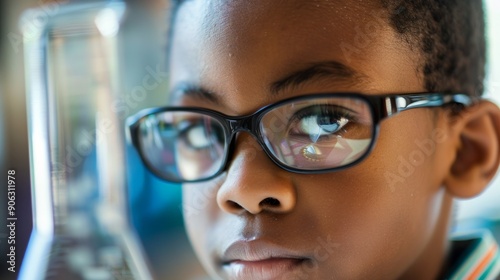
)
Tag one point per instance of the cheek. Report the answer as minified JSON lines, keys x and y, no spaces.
{"x":200,"y":210}
{"x":376,"y":229}
{"x":382,"y":211}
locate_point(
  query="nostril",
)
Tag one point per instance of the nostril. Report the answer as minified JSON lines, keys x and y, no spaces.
{"x":234,"y":205}
{"x":272,"y":202}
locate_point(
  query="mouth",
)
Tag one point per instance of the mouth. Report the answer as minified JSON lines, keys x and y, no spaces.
{"x":261,"y":260}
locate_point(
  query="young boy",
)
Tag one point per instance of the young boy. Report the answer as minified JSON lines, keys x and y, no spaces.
{"x":372,"y":125}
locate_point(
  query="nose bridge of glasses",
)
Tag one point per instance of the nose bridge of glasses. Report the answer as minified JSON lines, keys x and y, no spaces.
{"x":241,"y":124}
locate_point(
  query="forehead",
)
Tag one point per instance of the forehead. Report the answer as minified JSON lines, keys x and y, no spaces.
{"x":248,"y":44}
{"x":246,"y":21}
{"x":240,"y":28}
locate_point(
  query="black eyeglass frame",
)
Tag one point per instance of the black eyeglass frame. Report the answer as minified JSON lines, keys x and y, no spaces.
{"x":381,"y":107}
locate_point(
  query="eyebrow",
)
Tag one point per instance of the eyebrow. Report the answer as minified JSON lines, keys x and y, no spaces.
{"x":195,"y":92}
{"x":327,"y":70}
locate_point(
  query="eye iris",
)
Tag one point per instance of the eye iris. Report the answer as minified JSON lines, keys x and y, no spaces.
{"x":322,"y":124}
{"x":328,"y":124}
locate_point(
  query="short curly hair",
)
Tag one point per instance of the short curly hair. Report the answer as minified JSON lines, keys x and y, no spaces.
{"x":450,"y":35}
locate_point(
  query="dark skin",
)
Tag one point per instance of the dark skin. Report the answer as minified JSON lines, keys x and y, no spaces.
{"x":233,"y":52}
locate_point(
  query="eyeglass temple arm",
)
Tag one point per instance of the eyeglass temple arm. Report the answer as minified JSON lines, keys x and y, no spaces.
{"x":398,"y":103}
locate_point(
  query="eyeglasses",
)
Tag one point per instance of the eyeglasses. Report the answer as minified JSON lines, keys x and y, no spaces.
{"x":308,"y":134}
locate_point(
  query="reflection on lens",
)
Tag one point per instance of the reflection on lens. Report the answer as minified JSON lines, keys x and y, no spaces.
{"x":312,"y":153}
{"x":200,"y":148}
{"x":181,"y":145}
{"x":319,"y":133}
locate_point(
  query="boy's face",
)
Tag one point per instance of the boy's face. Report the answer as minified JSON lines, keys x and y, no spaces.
{"x":376,"y":220}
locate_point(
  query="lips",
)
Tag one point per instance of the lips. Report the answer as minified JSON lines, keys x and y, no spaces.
{"x":260,"y":260}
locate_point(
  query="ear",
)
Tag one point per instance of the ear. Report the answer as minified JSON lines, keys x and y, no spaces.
{"x":477,"y":138}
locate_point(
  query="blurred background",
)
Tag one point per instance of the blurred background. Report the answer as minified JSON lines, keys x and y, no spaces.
{"x":156,"y":206}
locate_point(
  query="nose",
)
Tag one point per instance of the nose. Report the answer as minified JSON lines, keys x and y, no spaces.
{"x":254,"y":183}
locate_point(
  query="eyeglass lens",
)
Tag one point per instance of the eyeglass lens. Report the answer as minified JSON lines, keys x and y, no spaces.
{"x":318,"y":134}
{"x":309,"y":134}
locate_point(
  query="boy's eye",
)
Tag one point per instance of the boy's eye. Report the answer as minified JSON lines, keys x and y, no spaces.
{"x":199,"y":136}
{"x":321,"y":124}
{"x":319,"y":120}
